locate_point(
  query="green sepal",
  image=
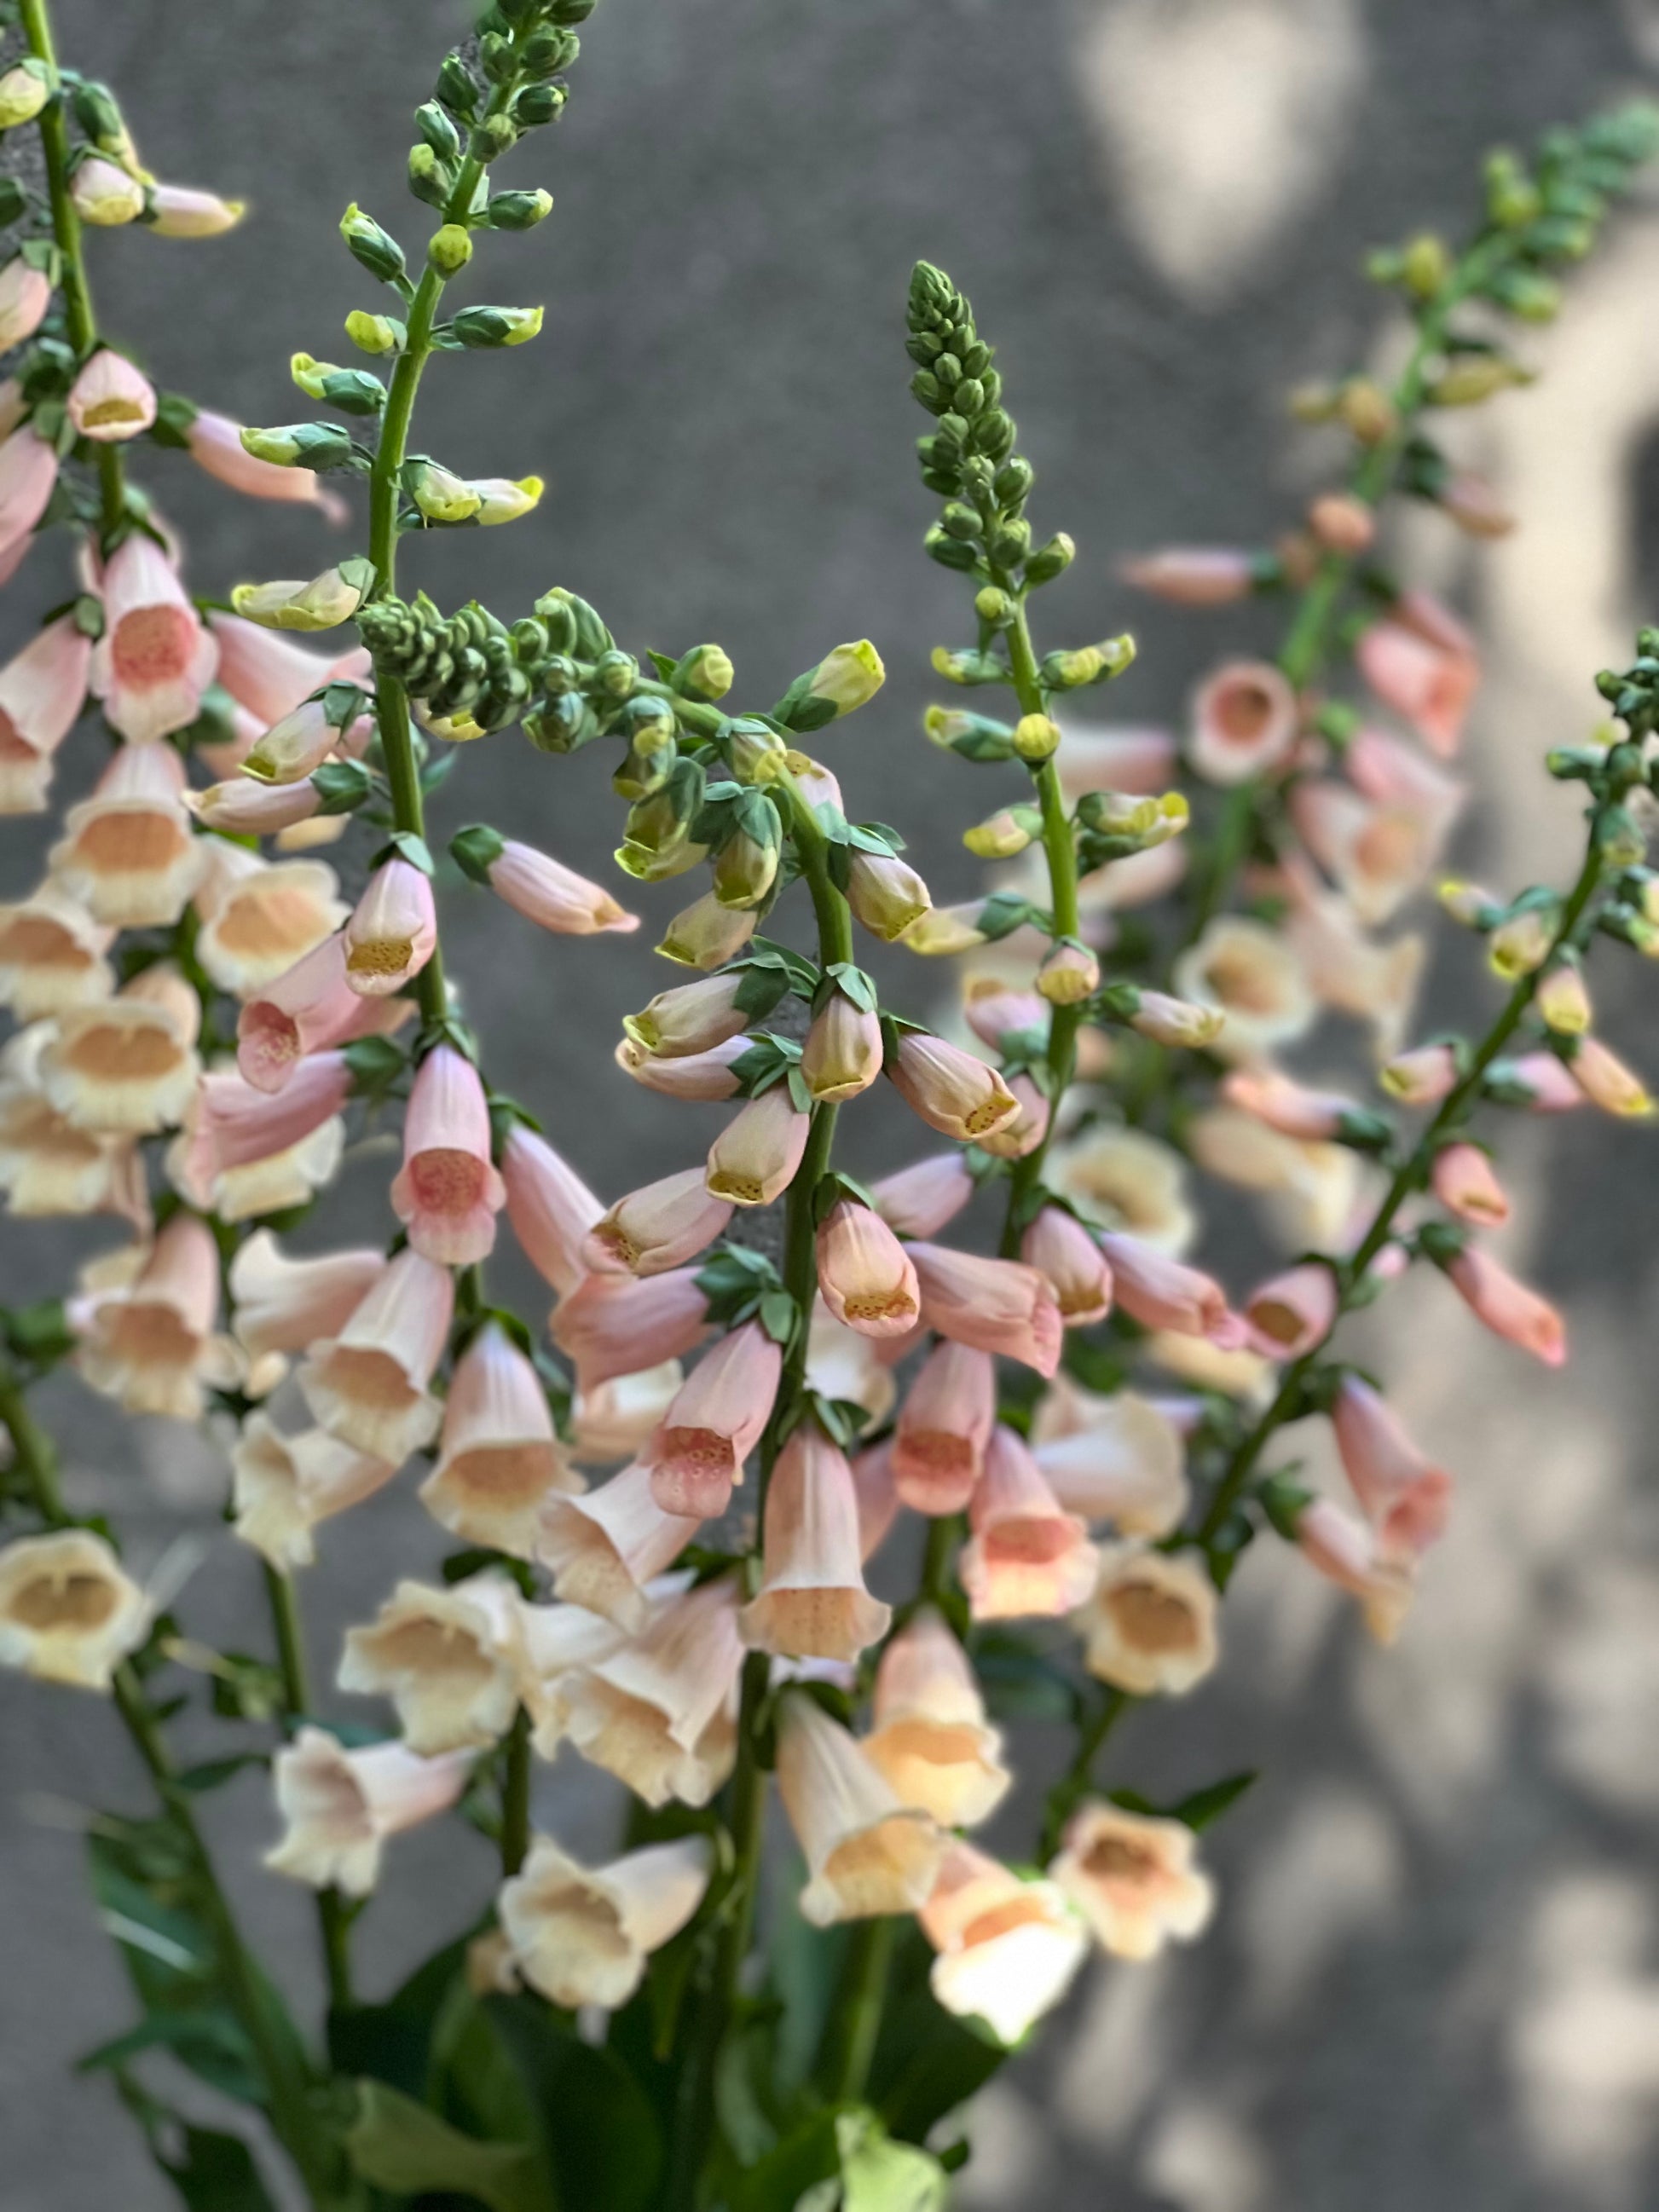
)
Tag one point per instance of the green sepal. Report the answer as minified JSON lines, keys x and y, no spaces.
{"x":476,"y":849}
{"x":342,"y":786}
{"x":1198,"y":1810}
{"x":853,"y":985}
{"x":404,"y":845}
{"x":1284,"y":1500}
{"x":376,"y":1063}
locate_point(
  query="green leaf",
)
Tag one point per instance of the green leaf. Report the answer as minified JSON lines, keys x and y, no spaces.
{"x":211,"y":2171}
{"x":1204,"y":1806}
{"x":778,"y":1315}
{"x":878,"y":2175}
{"x":398,"y":2145}
{"x":210,"y":2042}
{"x":927,"y":2062}
{"x":598,"y":2133}
{"x":1019,"y":1683}
{"x":214,"y":1773}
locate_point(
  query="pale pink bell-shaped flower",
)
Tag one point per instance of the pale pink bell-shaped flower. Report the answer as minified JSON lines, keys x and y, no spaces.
{"x":1345,"y":969}
{"x":1120,"y":1459}
{"x":1607,"y":1082}
{"x":1027,"y":1557}
{"x":448,"y":1191}
{"x":214,"y":444}
{"x":866,"y":1853}
{"x":995,"y":1011}
{"x":69,"y":1612}
{"x":341,"y":1805}
{"x":24,"y":296}
{"x":51,"y":954}
{"x":154,"y":660}
{"x":1138,"y":762}
{"x":282,"y":1487}
{"x":48,"y":1166}
{"x":944,"y":1427}
{"x":1134,"y":1877}
{"x":368,"y":1384}
{"x":294,"y":748}
{"x":612,"y":1421}
{"x":581,"y":1935}
{"x":1161,"y":1292}
{"x":1244,"y":722}
{"x":1256,"y":978}
{"x":707,"y":934}
{"x":657,"y":1228}
{"x":147,"y":1342}
{"x":1069,"y":1259}
{"x":1406,"y":1500}
{"x":254,"y":1189}
{"x":1430,"y":684}
{"x":269,"y":674}
{"x":28,"y":472}
{"x":606,"y":1546}
{"x":920,"y":1201}
{"x":1348,"y":1552}
{"x":699,"y":1448}
{"x":280,"y":1305}
{"x":553,"y":897}
{"x":1149,"y":1622}
{"x":1553,"y":1089}
{"x":551,"y":1208}
{"x":128,"y":1064}
{"x":1008,"y":1949}
{"x":885,"y":893}
{"x":878,"y":1497}
{"x":1507,"y":1307}
{"x":811,"y":1602}
{"x":1377,"y":853}
{"x":616,"y":1325}
{"x":843,"y":1054}
{"x":557,"y":1641}
{"x":42,"y":691}
{"x":450,"y":1661}
{"x":953,"y":1092}
{"x":127,"y":853}
{"x":754,"y":1159}
{"x":702,"y":1075}
{"x":995,"y":1305}
{"x":259,"y":917}
{"x":111,"y":401}
{"x":499,"y":1459}
{"x":865,"y":1272}
{"x":692,"y":1018}
{"x":1465,"y":1183}
{"x":393,"y":930}
{"x":1174,"y":1022}
{"x":310,"y":1008}
{"x":1027,"y":1128}
{"x":659,"y":1710}
{"x":1193,"y":575}
{"x":242,"y":808}
{"x":185,"y":211}
{"x":1423,"y":1077}
{"x":929,"y":1734}
{"x":1291,"y":1313}
{"x":1310,"y":1116}
{"x":232,"y":1123}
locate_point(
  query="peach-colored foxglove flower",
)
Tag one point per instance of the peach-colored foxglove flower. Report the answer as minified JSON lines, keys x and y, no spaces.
{"x":559,"y":1641}
{"x":269,"y":674}
{"x":448,"y":1659}
{"x":604,"y":1546}
{"x":110,"y":400}
{"x":1124,"y":1179}
{"x":1429,"y":683}
{"x":867,"y":1852}
{"x":581,"y":1935}
{"x":232,"y":1124}
{"x":1027,"y":1557}
{"x":1193,"y":575}
{"x":886,"y":894}
{"x":615,"y":1325}
{"x":843,"y":1054}
{"x":448,"y":1191}
{"x":702,"y":1075}
{"x":995,"y":1010}
{"x":553,"y":897}
{"x":1173,"y":1022}
{"x":1607,"y":1082}
{"x":127,"y":853}
{"x":1507,"y":1307}
{"x":42,"y":691}
{"x":310,"y":1007}
{"x":1026,"y":1128}
{"x":214,"y":444}
{"x":1136,"y":761}
{"x":1069,"y":1259}
{"x":953,"y":1092}
{"x":294,"y":748}
{"x":1118,"y":1459}
{"x":878,"y":1497}
{"x":659,"y":1710}
{"x":368,"y":1384}
{"x":67,"y":1612}
{"x":865,"y":1274}
{"x":920,"y":1201}
{"x":183,"y":211}
{"x":1244,"y":723}
{"x":259,"y":918}
{"x":1406,"y":1500}
{"x":393,"y":930}
{"x":48,"y":1166}
{"x":692,"y":1018}
{"x":155,"y":658}
{"x":613,"y":1420}
{"x":283,"y":1485}
{"x":499,"y":1459}
{"x":551,"y":1208}
{"x":28,"y":472}
{"x":1377,"y":853}
{"x":146,"y":1342}
{"x":1349,"y":1552}
{"x":1160,"y":1292}
{"x":707,"y":934}
{"x":944,"y":1427}
{"x":1316,"y":1187}
{"x":1289,"y":1106}
{"x":994,"y":1305}
{"x":1150,"y":1623}
{"x":1422,"y":1077}
{"x":1464,"y":1182}
{"x":128,"y":1064}
{"x":1289,"y":1315}
{"x":1008,"y":1949}
{"x":812,"y":1603}
{"x":929,"y":1734}
{"x":754,"y":1159}
{"x":341,"y":1805}
{"x":1253,"y":975}
{"x":51,"y":954}
{"x":241,"y":808}
{"x":24,"y":296}
{"x":699,"y":1448}
{"x":1134,"y":1879}
{"x":1345,"y":969}
{"x":657,"y":1228}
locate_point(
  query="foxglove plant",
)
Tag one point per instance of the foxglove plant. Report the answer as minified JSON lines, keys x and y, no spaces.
{"x":198,"y":1021}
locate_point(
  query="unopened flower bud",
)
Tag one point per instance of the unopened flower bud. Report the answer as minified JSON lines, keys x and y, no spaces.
{"x":1425,"y":265}
{"x":1005,"y":833}
{"x":1473,"y":378}
{"x":1366,"y":411}
{"x":1467,"y":903}
{"x":323,"y":604}
{"x":993,"y":605}
{"x":299,"y":444}
{"x":1341,"y":523}
{"x":519,"y":211}
{"x":1607,"y":1082}
{"x":1193,"y":575}
{"x":106,"y":196}
{"x":705,"y":672}
{"x":376,"y":249}
{"x":1036,"y":739}
{"x":1522,"y":944}
{"x":449,"y":248}
{"x":1562,"y":1001}
{"x":174,"y":211}
{"x":488,"y":327}
{"x":1069,"y":974}
{"x":1050,"y":560}
{"x":886,"y":894}
{"x":375,"y":334}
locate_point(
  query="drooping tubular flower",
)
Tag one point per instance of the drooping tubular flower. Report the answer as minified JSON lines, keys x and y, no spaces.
{"x":283,"y":1305}
{"x":604,"y":1546}
{"x":1118,"y":1459}
{"x":920,"y":1201}
{"x":994,"y":1305}
{"x":1293,"y":1312}
{"x":283,"y":1485}
{"x":705,"y":1076}
{"x":268,"y":673}
{"x":145,"y":1341}
{"x":340,"y":1805}
{"x":155,"y":658}
{"x":500,"y":1460}
{"x":877,"y":1498}
{"x":657,"y":1228}
{"x":111,"y":401}
{"x":1027,"y":1128}
{"x":613,"y":1420}
{"x":1244,"y":722}
{"x":865,"y":1272}
{"x":48,"y":1166}
{"x":1349,"y":1552}
{"x":310,"y":1007}
{"x":1406,"y":1500}
{"x":1507,"y":1307}
{"x":1254,"y":977}
{"x":1027,"y":1557}
{"x":448,"y":1659}
{"x":183,"y":211}
{"x":551,"y":1208}
{"x":393,"y":930}
{"x":944,"y":1427}
{"x":105,"y":195}
{"x":866,"y":1853}
{"x":660,"y":1711}
{"x":231,"y":1124}
{"x":448,"y":1191}
{"x":258,"y":917}
{"x":1163,"y":1293}
{"x":554,"y":897}
{"x":581,"y":1935}
{"x":754,"y":1159}
{"x":51,"y":954}
{"x":42,"y":691}
{"x":1467,"y":1185}
{"x":886,"y":894}
{"x":1070,"y":1262}
{"x":699,"y":1448}
{"x":24,"y":296}
{"x":843,"y":1054}
{"x":1149,"y":1625}
{"x":1125,"y":1179}
{"x":953,"y":1092}
{"x":1429,"y":680}
{"x":1133,"y":1879}
{"x":127,"y":1064}
{"x":67,"y":1612}
{"x":28,"y":472}
{"x":930,"y":1737}
{"x":615,"y":1325}
{"x":1193,"y":575}
{"x":368,"y":1384}
{"x":127,"y":853}
{"x":812,"y":1603}
{"x":214,"y":443}
{"x":1008,"y":1949}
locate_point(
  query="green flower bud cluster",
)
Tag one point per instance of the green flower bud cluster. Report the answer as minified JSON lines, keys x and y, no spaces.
{"x":469,"y":665}
{"x":1633,"y":692}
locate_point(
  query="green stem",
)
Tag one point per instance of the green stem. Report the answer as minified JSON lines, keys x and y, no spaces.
{"x":66,"y":230}
{"x":1074,"y":1785}
{"x":1407,"y":1178}
{"x":333,"y":1914}
{"x":860,"y":2001}
{"x":515,"y":1794}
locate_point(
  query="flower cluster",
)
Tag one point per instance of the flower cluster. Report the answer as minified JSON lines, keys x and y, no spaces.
{"x":830,"y":1509}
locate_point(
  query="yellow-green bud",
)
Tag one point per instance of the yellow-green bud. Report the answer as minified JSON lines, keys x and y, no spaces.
{"x":323,"y":604}
{"x":1474,"y":377}
{"x":1005,"y":833}
{"x":1036,"y":739}
{"x":24,"y":91}
{"x":449,"y":249}
{"x":1425,"y":266}
{"x":1522,"y":944}
{"x":371,"y":333}
{"x":993,"y":605}
{"x":705,"y":672}
{"x":758,"y":755}
{"x":442,"y":496}
{"x":849,"y":677}
{"x":1367,"y":410}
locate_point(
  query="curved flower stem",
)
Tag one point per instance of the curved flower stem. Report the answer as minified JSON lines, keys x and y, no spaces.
{"x":67,"y":232}
{"x":1074,"y":1785}
{"x":1407,"y":1178}
{"x":515,"y":1794}
{"x":860,"y":1999}
{"x":333,"y":1914}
